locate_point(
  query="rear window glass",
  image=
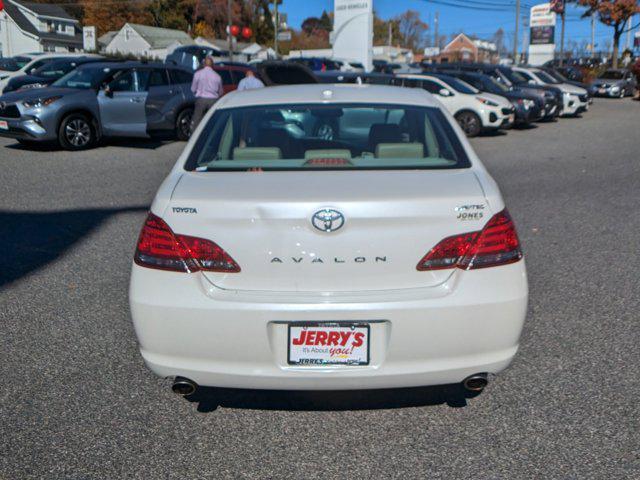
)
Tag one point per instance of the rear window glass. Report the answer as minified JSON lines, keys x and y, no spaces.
{"x":612,"y":75}
{"x":321,"y":137}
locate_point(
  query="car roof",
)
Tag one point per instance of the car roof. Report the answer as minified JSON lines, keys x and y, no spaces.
{"x":437,"y":75}
{"x":340,"y":94}
{"x":127,"y":64}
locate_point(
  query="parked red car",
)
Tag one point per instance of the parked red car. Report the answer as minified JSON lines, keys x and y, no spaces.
{"x":231,"y":75}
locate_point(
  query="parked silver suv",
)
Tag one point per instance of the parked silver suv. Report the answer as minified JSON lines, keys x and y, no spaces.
{"x":117,"y":99}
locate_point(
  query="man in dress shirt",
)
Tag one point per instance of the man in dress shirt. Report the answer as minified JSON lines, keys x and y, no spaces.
{"x":250,"y":82}
{"x":207,"y":87}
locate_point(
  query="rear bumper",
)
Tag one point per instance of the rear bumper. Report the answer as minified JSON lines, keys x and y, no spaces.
{"x":187,"y":327}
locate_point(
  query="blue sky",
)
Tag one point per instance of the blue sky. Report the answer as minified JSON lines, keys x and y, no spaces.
{"x":453,"y":20}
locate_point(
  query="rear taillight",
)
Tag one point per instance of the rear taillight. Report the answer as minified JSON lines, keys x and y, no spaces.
{"x":160,"y":248}
{"x":496,"y":244}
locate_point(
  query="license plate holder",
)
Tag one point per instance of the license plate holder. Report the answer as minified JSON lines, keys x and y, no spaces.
{"x":338,"y":343}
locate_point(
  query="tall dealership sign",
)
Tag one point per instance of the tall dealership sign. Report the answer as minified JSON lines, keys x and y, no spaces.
{"x":542,"y":35}
{"x":352,"y":36}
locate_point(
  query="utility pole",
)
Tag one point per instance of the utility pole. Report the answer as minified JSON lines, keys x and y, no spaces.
{"x":515,"y":37}
{"x":525,"y":24}
{"x":562,"y":17}
{"x":593,"y":35}
{"x":436,"y":21}
{"x":275,"y":29}
{"x":229,"y":41}
{"x":390,"y":35}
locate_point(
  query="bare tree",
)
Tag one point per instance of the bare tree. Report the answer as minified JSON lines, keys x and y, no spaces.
{"x":412,"y":30}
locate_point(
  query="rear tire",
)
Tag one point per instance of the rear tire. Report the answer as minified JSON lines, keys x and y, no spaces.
{"x":470,"y":123}
{"x":183,"y":124}
{"x":76,"y":132}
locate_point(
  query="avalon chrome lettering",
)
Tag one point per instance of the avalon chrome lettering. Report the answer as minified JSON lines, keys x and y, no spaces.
{"x":333,"y":260}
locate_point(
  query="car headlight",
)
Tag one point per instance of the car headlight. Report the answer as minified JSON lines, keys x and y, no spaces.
{"x":487,"y":102}
{"x":615,"y":87}
{"x":529,"y":103}
{"x":40,"y":102}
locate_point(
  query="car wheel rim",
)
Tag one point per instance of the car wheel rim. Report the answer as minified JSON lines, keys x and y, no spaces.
{"x":77,"y":133}
{"x":185,"y":124}
{"x":325,"y":132}
{"x":468,"y":123}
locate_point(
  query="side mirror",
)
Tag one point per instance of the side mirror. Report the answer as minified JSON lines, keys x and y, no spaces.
{"x":531,"y":82}
{"x":107,"y":91}
{"x":444,"y":92}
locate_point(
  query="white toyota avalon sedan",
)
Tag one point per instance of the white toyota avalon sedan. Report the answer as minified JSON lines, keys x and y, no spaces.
{"x":321,"y":237}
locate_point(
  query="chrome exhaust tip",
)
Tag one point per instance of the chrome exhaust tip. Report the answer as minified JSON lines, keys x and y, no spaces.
{"x":476,"y":382}
{"x":183,"y":386}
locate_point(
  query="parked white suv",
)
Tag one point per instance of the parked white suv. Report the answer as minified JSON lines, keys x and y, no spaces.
{"x":475,"y":111}
{"x":36,"y":62}
{"x":575,"y":99}
{"x":382,"y":256}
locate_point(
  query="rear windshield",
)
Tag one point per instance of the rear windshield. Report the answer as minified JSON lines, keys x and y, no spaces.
{"x":327,"y":137}
{"x":612,"y":75}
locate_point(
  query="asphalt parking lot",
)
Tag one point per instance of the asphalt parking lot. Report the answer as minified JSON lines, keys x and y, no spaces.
{"x":78,"y":403}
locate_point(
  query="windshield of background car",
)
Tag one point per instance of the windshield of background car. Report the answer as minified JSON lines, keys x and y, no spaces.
{"x":515,"y":77}
{"x":55,"y":69}
{"x":545,"y":77}
{"x":498,"y":86}
{"x":612,"y":75}
{"x":327,"y":137}
{"x":558,"y":76}
{"x":459,"y":85}
{"x":84,"y":78}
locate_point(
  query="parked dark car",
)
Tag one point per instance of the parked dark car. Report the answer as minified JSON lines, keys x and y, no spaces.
{"x":553,"y":100}
{"x":116,"y":99}
{"x":231,"y":75}
{"x":382,"y":66}
{"x":48,"y":73}
{"x":316,"y":64}
{"x":575,"y":74}
{"x":528,"y":107}
{"x":277,"y":72}
{"x":355,"y":77}
{"x":9,"y":65}
{"x":192,"y":56}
